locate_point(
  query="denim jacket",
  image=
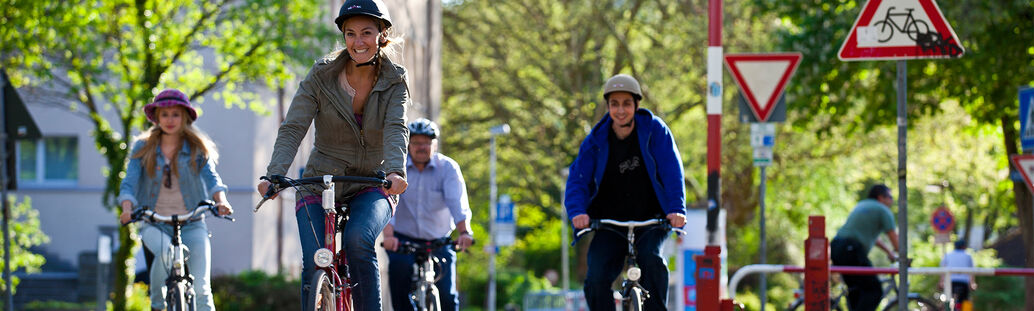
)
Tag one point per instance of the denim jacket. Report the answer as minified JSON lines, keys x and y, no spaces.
{"x":142,"y":190}
{"x":661,"y":156}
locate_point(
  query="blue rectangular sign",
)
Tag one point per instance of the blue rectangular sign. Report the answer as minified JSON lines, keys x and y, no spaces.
{"x":1026,"y":129}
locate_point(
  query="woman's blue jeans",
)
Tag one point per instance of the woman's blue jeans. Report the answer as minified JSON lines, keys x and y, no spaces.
{"x":194,"y":235}
{"x":369,"y":213}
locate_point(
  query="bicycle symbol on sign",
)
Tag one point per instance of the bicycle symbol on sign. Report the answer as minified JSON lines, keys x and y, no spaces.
{"x":912,"y":27}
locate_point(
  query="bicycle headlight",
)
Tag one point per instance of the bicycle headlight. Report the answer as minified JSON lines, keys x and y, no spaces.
{"x":634,"y":273}
{"x":323,"y":257}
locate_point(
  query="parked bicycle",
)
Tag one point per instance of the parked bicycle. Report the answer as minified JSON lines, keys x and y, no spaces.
{"x":179,"y":286}
{"x":330,"y":287}
{"x":633,"y":295}
{"x":889,"y":302}
{"x":423,"y":292}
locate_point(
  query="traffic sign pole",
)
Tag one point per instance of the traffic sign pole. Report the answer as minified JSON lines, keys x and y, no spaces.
{"x":902,"y":189}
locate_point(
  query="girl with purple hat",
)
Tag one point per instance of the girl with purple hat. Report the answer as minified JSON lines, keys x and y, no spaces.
{"x":172,"y":167}
{"x":356,"y":97}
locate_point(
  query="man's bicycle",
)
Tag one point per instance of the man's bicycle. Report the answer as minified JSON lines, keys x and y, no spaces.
{"x":889,"y":301}
{"x":633,"y":295}
{"x":330,"y":287}
{"x":423,"y":292}
{"x":179,"y":286}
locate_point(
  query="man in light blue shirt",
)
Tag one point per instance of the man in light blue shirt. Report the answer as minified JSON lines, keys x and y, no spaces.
{"x":434,"y":204}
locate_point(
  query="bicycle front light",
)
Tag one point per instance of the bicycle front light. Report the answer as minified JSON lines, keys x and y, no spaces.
{"x":634,"y":273}
{"x":323,"y":257}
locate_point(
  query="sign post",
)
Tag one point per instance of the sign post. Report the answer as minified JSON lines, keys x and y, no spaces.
{"x":901,"y":30}
{"x":762,"y":78}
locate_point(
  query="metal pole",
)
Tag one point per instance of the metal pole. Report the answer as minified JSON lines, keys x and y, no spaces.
{"x":764,"y":281}
{"x":902,"y":189}
{"x":491,"y":229}
{"x":565,"y":269}
{"x":9,"y":297}
{"x":714,"y":117}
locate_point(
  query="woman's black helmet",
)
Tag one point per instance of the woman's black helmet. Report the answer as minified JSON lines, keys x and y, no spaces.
{"x":372,"y":8}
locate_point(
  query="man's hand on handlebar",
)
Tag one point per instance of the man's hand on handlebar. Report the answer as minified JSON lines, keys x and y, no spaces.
{"x":677,"y":220}
{"x":580,"y":221}
{"x":390,"y":243}
{"x":398,"y":184}
{"x":464,"y":241}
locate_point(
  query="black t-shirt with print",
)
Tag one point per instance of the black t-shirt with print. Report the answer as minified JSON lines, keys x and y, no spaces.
{"x":626,"y":192}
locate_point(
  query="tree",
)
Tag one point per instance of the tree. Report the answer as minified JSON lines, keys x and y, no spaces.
{"x":995,"y":34}
{"x":105,"y":59}
{"x":25,"y":233}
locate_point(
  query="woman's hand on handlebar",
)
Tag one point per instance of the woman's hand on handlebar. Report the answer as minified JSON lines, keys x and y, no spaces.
{"x":127,"y":212}
{"x":398,"y":184}
{"x":580,"y":221}
{"x":224,"y":208}
{"x":263,"y":186}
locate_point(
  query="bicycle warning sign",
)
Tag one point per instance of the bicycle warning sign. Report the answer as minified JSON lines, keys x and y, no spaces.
{"x":900,"y":29}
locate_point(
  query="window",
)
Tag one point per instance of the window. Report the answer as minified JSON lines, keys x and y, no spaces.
{"x":48,"y":161}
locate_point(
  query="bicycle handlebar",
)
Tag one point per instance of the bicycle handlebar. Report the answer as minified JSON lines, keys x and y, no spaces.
{"x":279,"y":183}
{"x":410,"y":247}
{"x":144,"y":214}
{"x":596,"y":225}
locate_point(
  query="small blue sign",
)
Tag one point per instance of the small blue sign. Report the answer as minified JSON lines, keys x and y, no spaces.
{"x":504,"y":210}
{"x":1026,"y":129}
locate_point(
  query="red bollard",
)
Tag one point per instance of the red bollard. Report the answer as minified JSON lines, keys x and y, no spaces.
{"x":731,"y":305}
{"x":816,"y":266}
{"x":708,"y":280}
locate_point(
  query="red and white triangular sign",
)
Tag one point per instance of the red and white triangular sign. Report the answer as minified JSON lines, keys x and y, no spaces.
{"x":900,"y":29}
{"x":1025,"y":164}
{"x":762,"y":78}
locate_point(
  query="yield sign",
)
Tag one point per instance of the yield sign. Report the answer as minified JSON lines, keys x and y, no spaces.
{"x":762,"y":78}
{"x":1025,"y":164}
{"x":900,"y":29}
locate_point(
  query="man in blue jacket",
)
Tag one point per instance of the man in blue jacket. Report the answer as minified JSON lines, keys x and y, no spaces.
{"x":627,"y":169}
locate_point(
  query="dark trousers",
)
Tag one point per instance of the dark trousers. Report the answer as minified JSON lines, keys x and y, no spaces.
{"x":400,"y":277}
{"x":606,"y":258}
{"x":960,"y":290}
{"x":863,"y":291}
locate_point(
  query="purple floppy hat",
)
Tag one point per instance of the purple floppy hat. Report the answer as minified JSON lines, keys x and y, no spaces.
{"x":169,"y":98}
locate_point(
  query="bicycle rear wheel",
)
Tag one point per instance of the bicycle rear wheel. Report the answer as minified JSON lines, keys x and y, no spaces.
{"x":321,"y":296}
{"x":176,"y":298}
{"x":914,"y":304}
{"x":634,"y":301}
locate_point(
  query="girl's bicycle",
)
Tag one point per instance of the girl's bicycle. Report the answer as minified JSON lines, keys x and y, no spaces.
{"x":330,"y":287}
{"x":179,"y":286}
{"x":633,"y":295}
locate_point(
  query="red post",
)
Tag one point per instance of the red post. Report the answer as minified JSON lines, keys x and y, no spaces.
{"x":816,"y":266}
{"x":708,"y":280}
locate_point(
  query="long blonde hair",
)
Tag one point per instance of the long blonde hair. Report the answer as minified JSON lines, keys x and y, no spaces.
{"x":199,"y":142}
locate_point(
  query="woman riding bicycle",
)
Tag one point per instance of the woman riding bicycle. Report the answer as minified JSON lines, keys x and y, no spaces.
{"x":172,"y":166}
{"x":357,"y":98}
{"x":628,"y":168}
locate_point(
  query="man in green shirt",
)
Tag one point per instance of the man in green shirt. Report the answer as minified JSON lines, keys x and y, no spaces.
{"x":855,"y":238}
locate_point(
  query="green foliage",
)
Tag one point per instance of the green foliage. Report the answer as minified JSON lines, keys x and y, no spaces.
{"x":109,"y":57}
{"x":999,"y":293}
{"x":25,"y":233}
{"x":255,"y":290}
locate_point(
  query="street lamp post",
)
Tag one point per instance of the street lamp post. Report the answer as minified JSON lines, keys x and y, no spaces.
{"x":502,"y":129}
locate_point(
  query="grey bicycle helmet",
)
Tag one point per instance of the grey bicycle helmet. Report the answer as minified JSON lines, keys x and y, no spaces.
{"x":622,"y":83}
{"x":372,"y":8}
{"x":424,"y":127}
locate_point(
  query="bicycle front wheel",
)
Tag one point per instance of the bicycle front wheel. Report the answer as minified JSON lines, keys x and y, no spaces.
{"x":433,"y":300}
{"x":634,"y":301}
{"x":914,"y":304}
{"x":176,"y":298}
{"x":321,"y":296}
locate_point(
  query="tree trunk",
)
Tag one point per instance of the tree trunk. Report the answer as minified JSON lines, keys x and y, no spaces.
{"x":1023,"y":208}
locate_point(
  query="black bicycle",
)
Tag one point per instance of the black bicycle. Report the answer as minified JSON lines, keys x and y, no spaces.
{"x":889,"y":301}
{"x":179,"y":286}
{"x":423,"y":292}
{"x":633,"y":295}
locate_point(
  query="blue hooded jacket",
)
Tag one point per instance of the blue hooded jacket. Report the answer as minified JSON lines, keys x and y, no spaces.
{"x":663,"y":164}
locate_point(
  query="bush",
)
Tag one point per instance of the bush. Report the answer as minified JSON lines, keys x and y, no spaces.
{"x":255,"y":290}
